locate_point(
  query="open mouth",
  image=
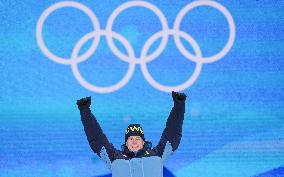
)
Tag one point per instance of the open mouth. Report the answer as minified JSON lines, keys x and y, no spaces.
{"x":135,"y":147}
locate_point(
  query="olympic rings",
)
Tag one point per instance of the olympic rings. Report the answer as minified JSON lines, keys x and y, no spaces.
{"x":60,"y":5}
{"x":144,"y":58}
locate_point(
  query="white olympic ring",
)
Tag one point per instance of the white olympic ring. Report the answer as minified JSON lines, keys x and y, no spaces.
{"x":143,"y":59}
{"x":54,"y":7}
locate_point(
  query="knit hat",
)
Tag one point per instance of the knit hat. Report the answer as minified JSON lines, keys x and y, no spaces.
{"x":134,"y":130}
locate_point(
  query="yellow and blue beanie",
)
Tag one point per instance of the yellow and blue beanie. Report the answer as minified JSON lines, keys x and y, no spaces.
{"x":134,"y":130}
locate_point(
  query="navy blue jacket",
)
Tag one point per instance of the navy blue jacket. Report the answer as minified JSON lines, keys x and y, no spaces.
{"x":147,"y":162}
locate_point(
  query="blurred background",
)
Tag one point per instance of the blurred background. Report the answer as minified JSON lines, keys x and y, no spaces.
{"x":234,"y":116}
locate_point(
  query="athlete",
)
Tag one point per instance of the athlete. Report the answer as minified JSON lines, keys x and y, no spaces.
{"x":136,"y":158}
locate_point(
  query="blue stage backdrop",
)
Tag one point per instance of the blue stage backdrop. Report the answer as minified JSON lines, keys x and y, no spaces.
{"x":227,"y":56}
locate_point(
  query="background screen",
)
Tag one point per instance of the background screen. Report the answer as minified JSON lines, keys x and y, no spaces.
{"x":226,"y":56}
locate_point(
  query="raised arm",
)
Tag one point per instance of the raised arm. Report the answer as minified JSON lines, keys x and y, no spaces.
{"x":171,"y":136}
{"x":95,"y":136}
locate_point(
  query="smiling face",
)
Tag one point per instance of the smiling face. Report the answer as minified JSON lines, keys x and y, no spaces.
{"x":135,"y":143}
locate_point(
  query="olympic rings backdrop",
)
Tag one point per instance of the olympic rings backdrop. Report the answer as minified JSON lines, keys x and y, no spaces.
{"x":227,"y":56}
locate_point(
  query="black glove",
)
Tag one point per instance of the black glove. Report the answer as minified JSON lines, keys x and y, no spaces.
{"x":178,"y":96}
{"x":84,"y":103}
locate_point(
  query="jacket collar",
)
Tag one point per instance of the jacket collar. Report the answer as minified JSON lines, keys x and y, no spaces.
{"x":132,"y":154}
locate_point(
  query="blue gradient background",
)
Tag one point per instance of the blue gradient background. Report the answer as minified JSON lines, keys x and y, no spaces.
{"x":234,"y":114}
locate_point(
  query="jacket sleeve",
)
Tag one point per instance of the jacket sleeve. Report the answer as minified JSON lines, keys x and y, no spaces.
{"x":172,"y":134}
{"x":97,"y":139}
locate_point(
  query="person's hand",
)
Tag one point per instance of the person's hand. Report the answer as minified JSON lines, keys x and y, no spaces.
{"x":178,"y":96}
{"x":84,"y":103}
